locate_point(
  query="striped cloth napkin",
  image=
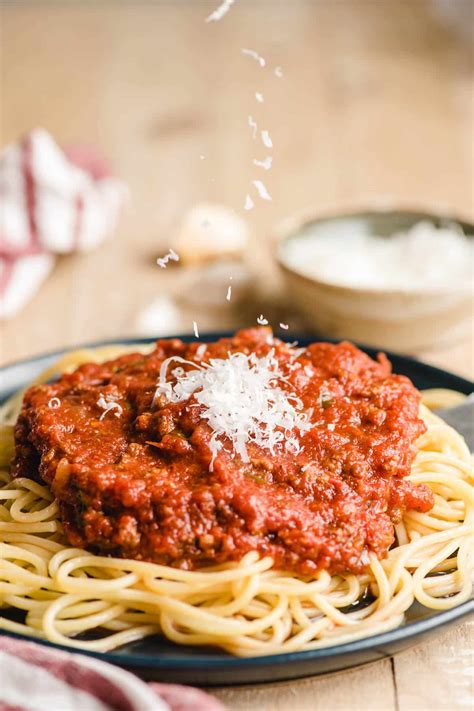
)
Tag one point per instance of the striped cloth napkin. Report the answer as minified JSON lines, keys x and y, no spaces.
{"x":52,"y":202}
{"x":37,"y":678}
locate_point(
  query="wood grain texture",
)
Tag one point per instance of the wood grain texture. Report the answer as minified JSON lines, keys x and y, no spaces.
{"x":438,"y":675}
{"x":374,"y":106}
{"x":370,"y":689}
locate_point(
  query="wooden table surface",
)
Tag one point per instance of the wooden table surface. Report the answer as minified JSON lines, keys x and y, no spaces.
{"x":374,"y":105}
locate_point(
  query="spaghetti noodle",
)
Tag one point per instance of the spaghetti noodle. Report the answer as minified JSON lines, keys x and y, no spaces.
{"x":249,"y":607}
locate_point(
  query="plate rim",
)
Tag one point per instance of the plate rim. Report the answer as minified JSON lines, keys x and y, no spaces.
{"x":162,"y":661}
{"x":409,"y":630}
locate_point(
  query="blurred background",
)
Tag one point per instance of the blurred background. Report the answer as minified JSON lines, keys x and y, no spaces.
{"x":367,"y":104}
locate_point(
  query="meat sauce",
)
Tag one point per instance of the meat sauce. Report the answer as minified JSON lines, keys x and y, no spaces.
{"x":135,"y":481}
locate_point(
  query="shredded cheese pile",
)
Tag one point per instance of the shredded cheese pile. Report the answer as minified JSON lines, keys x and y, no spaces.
{"x":241,"y":400}
{"x":345,"y":252}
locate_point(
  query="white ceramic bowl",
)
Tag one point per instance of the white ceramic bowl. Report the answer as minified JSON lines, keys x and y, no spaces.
{"x":406,"y":320}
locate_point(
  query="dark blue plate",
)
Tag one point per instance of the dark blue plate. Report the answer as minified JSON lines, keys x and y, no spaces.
{"x":156,"y":658}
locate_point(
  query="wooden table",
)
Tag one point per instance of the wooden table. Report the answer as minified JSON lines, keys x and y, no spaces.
{"x":374,"y":105}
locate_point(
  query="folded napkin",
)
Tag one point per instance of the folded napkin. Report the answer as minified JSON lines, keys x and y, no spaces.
{"x":37,"y":678}
{"x":51,"y":202}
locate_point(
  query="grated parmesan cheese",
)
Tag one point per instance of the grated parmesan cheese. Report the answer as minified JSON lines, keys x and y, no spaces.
{"x":267,"y":141}
{"x":220,"y":11}
{"x":252,"y":53}
{"x":253,"y":125}
{"x":262,"y":190}
{"x":107,"y":403}
{"x":195,"y":329}
{"x":346,"y":252}
{"x":163,"y":261}
{"x":248,"y":203}
{"x":266,"y":163}
{"x":262,"y":320}
{"x":297,"y":352}
{"x":241,"y":400}
{"x":284,"y":326}
{"x":259,"y":97}
{"x":54,"y":403}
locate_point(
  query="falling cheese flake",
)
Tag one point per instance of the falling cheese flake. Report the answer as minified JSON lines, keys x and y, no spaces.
{"x":278,"y":72}
{"x":262,"y":191}
{"x":220,"y":11}
{"x":229,"y":293}
{"x":254,"y":55}
{"x":248,"y":203}
{"x":259,"y":97}
{"x":244,"y":399}
{"x":266,"y":163}
{"x":163,"y":261}
{"x":284,"y":326}
{"x":54,"y":403}
{"x":196,"y":330}
{"x":262,"y":320}
{"x":202,"y":157}
{"x":267,"y":141}
{"x":107,"y":403}
{"x":253,"y":126}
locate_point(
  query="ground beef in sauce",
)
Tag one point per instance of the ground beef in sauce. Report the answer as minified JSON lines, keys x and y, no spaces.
{"x":135,"y":482}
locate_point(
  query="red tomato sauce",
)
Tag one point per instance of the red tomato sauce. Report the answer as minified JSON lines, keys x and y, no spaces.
{"x":135,"y":482}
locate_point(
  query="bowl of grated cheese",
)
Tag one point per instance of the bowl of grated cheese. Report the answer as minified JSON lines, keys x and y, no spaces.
{"x":401,"y":280}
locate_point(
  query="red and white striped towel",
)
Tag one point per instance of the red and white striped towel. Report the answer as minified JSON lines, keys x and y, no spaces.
{"x":51,"y":202}
{"x":37,"y":678}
